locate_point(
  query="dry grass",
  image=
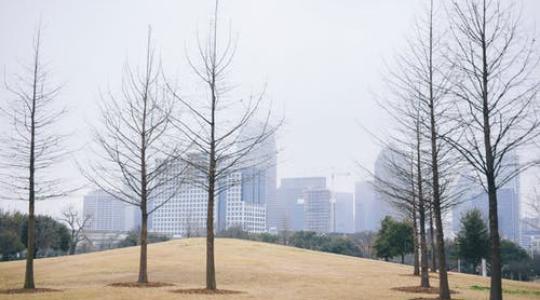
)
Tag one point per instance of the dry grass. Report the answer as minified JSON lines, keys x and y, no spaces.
{"x":256,"y":270}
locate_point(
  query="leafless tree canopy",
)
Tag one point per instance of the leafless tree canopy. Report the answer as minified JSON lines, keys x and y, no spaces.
{"x":35,"y":139}
{"x":35,"y":144}
{"x":496,"y":111}
{"x":137,"y":162}
{"x":76,"y":224}
{"x":494,"y":65}
{"x":223,"y":132}
{"x":136,"y":159}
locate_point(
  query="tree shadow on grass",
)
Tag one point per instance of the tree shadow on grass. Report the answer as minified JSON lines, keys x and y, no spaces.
{"x":203,"y":291}
{"x":29,"y":291}
{"x":155,"y":284}
{"x":436,"y":298}
{"x":431,"y":275}
{"x":419,"y":289}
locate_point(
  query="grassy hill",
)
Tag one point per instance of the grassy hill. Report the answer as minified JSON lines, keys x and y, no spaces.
{"x":258,"y":270}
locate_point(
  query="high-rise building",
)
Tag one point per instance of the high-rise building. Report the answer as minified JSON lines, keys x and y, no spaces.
{"x":343,"y":212}
{"x":317,"y":210}
{"x":381,"y":205}
{"x":107,"y":213}
{"x":508,"y":201}
{"x":241,"y":198}
{"x":364,"y":199}
{"x":183,"y":204}
{"x":291,"y":195}
{"x":253,"y":204}
{"x":530,"y":234}
{"x":245,"y":203}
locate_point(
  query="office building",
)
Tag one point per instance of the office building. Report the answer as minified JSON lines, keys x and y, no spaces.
{"x":317,"y":210}
{"x":108,"y":214}
{"x":364,"y":199}
{"x":343,"y":213}
{"x":291,"y":195}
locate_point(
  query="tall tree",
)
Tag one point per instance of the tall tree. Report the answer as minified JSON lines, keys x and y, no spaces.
{"x":224,"y":132}
{"x":35,"y":145}
{"x":136,"y":162}
{"x":497,"y":109}
{"x":421,"y":82}
{"x":473,"y":238}
{"x":434,"y":92}
{"x":403,"y":188}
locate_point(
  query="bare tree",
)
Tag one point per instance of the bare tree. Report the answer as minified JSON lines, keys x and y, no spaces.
{"x":76,"y":225}
{"x":424,"y":72}
{"x":135,"y":161}
{"x":35,"y":145}
{"x":220,"y":143}
{"x":432,"y":239}
{"x":405,"y":186}
{"x":404,"y":164}
{"x":432,"y":89}
{"x":496,"y":111}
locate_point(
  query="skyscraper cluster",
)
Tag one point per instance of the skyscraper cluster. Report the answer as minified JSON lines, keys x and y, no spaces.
{"x":253,"y":202}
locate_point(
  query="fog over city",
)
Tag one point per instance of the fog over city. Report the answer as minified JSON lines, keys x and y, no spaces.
{"x":323,"y":63}
{"x":399,"y":130}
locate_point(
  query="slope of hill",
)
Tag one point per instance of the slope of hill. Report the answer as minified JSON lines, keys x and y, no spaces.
{"x":258,"y":270}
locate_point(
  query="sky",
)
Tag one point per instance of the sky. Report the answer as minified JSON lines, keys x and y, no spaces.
{"x":323,"y":62}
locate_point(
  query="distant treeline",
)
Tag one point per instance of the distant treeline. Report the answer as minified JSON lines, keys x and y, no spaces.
{"x":52,"y":238}
{"x":358,"y":244}
{"x":517,"y":263}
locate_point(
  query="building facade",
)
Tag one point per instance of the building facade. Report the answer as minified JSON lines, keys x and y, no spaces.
{"x":343,"y":212}
{"x":381,"y":206}
{"x":240,"y":201}
{"x":364,"y":198}
{"x":107,"y":213}
{"x":245,"y":203}
{"x":291,"y":195}
{"x":317,"y":210}
{"x":183,"y":204}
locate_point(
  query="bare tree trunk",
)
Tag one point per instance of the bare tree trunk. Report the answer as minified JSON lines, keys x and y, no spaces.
{"x":416,"y":244}
{"x":496,"y":276}
{"x":143,"y":264}
{"x":432,"y":241}
{"x":220,"y":143}
{"x":423,"y":245}
{"x":210,"y":262}
{"x":424,"y":281}
{"x":444,"y":289}
{"x":29,"y":274}
{"x":143,"y":261}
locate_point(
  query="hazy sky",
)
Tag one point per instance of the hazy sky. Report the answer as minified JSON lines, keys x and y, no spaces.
{"x":322,"y":61}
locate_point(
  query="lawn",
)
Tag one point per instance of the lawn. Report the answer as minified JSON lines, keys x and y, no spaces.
{"x":256,"y":270}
